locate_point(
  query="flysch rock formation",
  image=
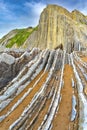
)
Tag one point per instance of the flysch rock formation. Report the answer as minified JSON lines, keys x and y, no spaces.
{"x":11,"y":62}
{"x":6,"y":38}
{"x":57,"y":28}
{"x":43,"y":89}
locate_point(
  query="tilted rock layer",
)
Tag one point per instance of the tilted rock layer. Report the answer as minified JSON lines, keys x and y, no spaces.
{"x":59,"y":28}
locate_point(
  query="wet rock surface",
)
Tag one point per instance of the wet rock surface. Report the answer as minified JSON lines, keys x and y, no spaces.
{"x":40,"y":89}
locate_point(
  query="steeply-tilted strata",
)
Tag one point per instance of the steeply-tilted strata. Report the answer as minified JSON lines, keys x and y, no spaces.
{"x":48,"y":91}
{"x":57,"y":27}
{"x":45,"y":88}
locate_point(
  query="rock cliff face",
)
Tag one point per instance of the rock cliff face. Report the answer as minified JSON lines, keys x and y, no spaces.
{"x":11,"y":62}
{"x":55,"y":27}
{"x":59,"y":28}
{"x":15,"y":38}
{"x":53,"y":22}
{"x":7,"y":37}
{"x":79,"y":17}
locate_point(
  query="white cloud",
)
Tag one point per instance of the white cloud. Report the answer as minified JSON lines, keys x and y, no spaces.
{"x":10,"y":20}
{"x":36,"y":8}
{"x":79,"y":5}
{"x":33,"y":11}
{"x":84,"y":9}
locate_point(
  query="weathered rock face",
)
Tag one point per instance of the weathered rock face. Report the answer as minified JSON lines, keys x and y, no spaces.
{"x":57,"y":26}
{"x":8,"y":59}
{"x":11,"y":65}
{"x":7,"y":71}
{"x":79,"y":17}
{"x":53,"y":27}
{"x":7,"y":37}
{"x":31,"y":41}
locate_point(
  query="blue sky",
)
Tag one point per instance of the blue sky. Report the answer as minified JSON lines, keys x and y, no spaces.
{"x":24,"y":13}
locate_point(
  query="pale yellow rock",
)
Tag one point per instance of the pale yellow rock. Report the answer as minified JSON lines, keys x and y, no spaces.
{"x":57,"y":26}
{"x":85,"y":90}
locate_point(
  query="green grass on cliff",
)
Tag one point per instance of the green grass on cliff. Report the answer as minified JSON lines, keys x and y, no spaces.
{"x":21,"y":37}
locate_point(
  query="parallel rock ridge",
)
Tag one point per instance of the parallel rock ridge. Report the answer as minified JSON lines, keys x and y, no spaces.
{"x":57,"y":27}
{"x":43,"y":89}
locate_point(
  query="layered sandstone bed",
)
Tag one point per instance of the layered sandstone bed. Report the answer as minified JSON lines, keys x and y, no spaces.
{"x":57,"y":28}
{"x":48,"y":91}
